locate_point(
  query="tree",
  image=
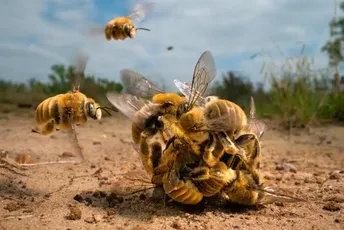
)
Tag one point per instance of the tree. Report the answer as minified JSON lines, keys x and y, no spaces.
{"x":334,"y":48}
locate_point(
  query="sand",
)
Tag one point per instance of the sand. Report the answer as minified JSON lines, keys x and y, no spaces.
{"x":78,"y":196}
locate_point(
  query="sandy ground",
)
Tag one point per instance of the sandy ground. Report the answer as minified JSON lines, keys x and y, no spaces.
{"x":41,"y":199}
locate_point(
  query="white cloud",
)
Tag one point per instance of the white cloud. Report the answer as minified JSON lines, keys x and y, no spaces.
{"x":230,"y":29}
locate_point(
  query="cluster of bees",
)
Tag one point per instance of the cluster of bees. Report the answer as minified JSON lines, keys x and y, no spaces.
{"x":193,"y":146}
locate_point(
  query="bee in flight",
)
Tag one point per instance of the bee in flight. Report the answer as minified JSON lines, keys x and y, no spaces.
{"x":121,"y":28}
{"x":63,"y":111}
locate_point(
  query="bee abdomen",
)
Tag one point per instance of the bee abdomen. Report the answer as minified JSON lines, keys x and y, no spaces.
{"x":209,"y":187}
{"x":47,"y":111}
{"x":186,"y":193}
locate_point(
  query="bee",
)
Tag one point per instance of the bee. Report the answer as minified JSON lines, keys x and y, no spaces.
{"x":222,"y":118}
{"x":121,"y":28}
{"x":244,"y":190}
{"x":63,"y":111}
{"x":164,"y":109}
{"x":177,"y":174}
{"x":144,"y":113}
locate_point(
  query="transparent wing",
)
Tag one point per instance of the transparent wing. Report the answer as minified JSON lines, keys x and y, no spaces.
{"x":126,"y":103}
{"x":185,"y":89}
{"x":132,"y":182}
{"x":140,"y":11}
{"x":204,"y":73}
{"x":272,"y":195}
{"x":136,"y":84}
{"x":80,"y":66}
{"x":254,"y":125}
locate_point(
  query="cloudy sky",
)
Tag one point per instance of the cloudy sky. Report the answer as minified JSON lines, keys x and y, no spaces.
{"x":38,"y":33}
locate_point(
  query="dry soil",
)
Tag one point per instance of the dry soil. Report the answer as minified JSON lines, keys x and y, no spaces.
{"x":78,"y":196}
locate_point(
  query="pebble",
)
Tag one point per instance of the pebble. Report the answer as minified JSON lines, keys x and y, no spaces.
{"x":75,"y":213}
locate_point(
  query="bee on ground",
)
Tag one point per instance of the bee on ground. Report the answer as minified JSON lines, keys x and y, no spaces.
{"x":221,"y":117}
{"x":63,"y":111}
{"x":234,"y":186}
{"x":150,"y":117}
{"x":121,"y":28}
{"x":143,"y":102}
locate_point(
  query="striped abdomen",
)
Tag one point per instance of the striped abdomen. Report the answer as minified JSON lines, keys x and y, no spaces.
{"x":184,"y":193}
{"x":236,"y":120}
{"x":60,"y":111}
{"x":219,"y":176}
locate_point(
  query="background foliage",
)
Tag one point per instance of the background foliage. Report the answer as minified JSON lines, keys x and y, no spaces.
{"x":294,"y":91}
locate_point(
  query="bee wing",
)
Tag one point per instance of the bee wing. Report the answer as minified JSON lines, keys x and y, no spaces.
{"x":254,"y":125}
{"x":140,"y":11}
{"x":80,"y":66}
{"x":204,"y":73}
{"x":136,"y":84}
{"x":132,"y":182}
{"x":126,"y":103}
{"x":185,"y":89}
{"x":272,"y":195}
{"x":173,"y":178}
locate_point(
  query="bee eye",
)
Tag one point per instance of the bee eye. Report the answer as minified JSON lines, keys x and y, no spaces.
{"x":91,"y":110}
{"x":126,"y":28}
{"x":185,"y":107}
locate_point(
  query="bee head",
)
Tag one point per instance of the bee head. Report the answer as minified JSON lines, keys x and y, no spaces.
{"x":92,"y":111}
{"x":129,"y":30}
{"x":182,"y":108}
{"x":172,"y":103}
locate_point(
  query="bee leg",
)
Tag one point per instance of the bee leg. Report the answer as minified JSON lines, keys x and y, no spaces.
{"x":251,"y":142}
{"x":157,"y":179}
{"x":35,"y":131}
{"x":239,"y":152}
{"x":213,"y":152}
{"x":145,"y":152}
{"x":199,"y":173}
{"x":156,"y":150}
{"x":227,"y":143}
{"x":162,"y":136}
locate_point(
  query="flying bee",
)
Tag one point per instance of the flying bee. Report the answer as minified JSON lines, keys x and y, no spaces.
{"x":121,"y":28}
{"x":63,"y":111}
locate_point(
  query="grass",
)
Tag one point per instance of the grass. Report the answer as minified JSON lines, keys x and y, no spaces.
{"x":299,"y":95}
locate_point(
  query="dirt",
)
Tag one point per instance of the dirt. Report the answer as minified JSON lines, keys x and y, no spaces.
{"x":79,"y":196}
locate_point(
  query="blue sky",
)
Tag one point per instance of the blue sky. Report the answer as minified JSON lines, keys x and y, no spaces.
{"x":39,"y":33}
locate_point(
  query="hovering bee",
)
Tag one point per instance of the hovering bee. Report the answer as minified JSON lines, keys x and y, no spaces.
{"x":121,"y":28}
{"x":63,"y":111}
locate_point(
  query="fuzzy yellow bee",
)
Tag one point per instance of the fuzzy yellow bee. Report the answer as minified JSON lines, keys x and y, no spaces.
{"x":63,"y":111}
{"x":121,"y":28}
{"x":164,"y":109}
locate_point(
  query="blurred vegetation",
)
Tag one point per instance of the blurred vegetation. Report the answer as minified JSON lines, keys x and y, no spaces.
{"x":293,"y":91}
{"x":61,"y":80}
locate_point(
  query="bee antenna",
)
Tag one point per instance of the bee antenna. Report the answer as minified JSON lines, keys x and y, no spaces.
{"x":143,"y":29}
{"x":104,"y":108}
{"x":113,"y":109}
